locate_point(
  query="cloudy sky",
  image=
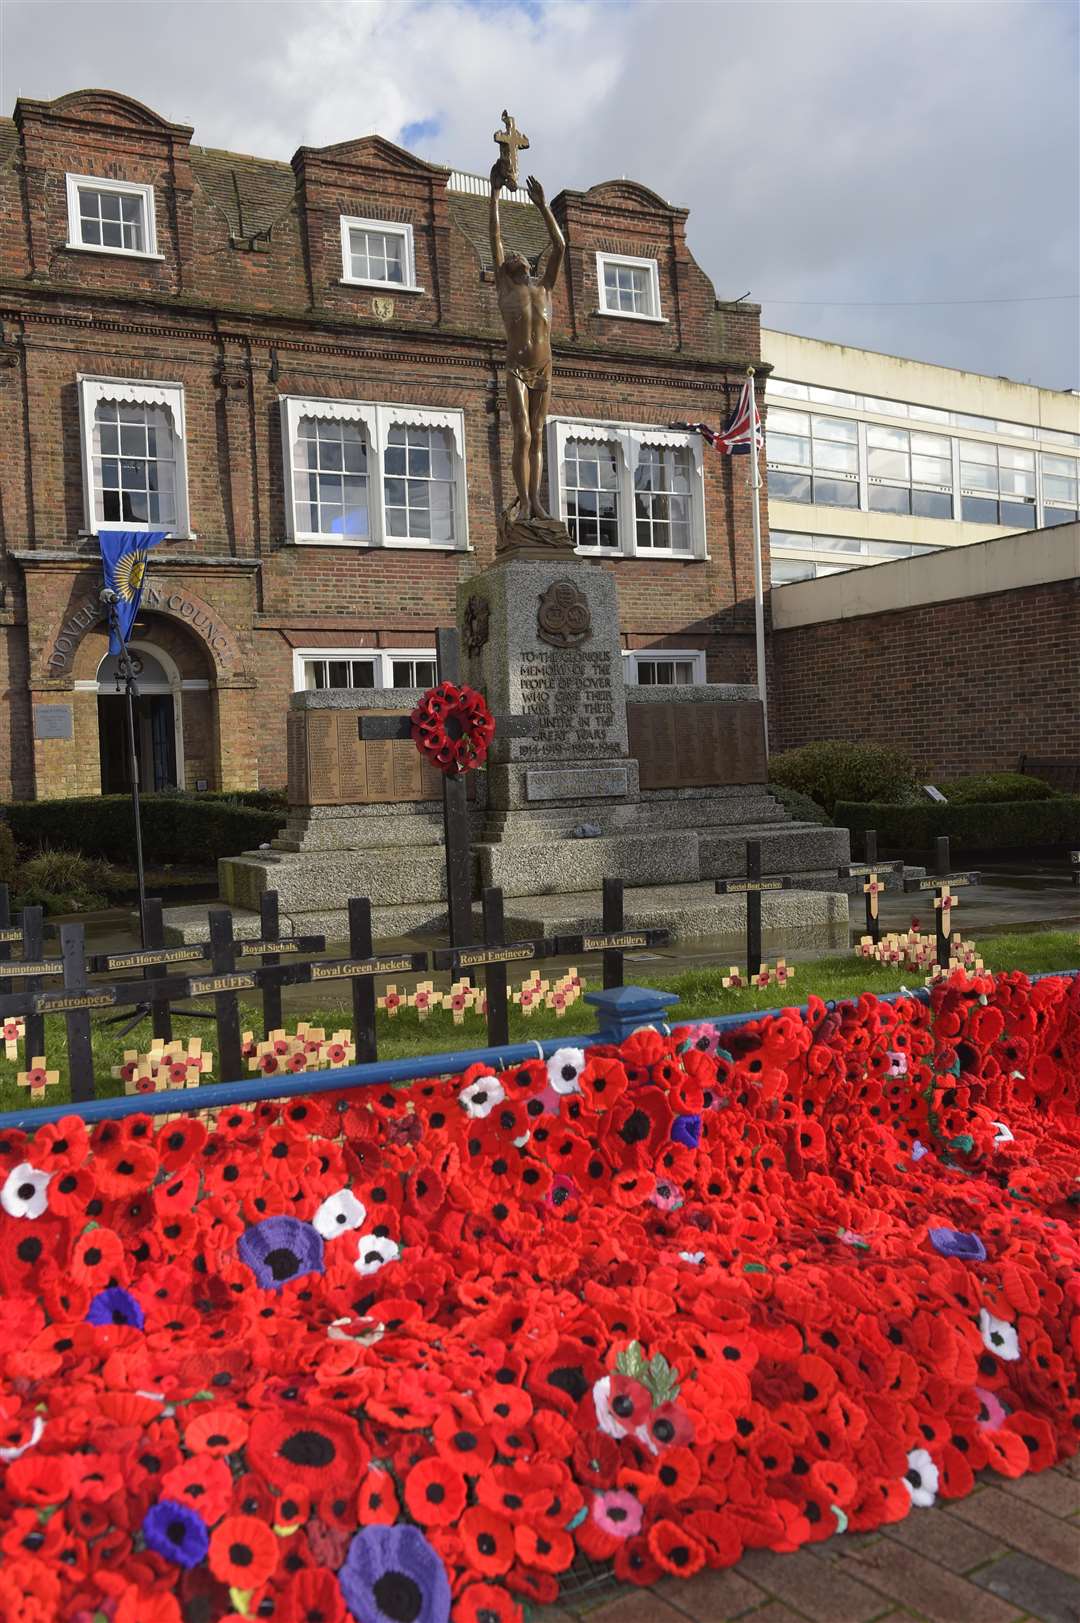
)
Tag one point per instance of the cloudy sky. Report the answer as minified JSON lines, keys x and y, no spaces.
{"x":898,"y":174}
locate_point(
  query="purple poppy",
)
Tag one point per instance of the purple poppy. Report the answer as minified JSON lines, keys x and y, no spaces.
{"x":955,"y":1243}
{"x":393,"y":1575}
{"x":115,"y":1306}
{"x":177,"y":1532}
{"x":687,"y":1130}
{"x":280,"y":1249}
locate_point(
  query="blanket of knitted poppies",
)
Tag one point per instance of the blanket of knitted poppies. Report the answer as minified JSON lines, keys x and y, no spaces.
{"x":409,"y":1355}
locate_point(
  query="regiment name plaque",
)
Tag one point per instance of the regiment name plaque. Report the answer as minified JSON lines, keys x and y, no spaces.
{"x":690,"y":746}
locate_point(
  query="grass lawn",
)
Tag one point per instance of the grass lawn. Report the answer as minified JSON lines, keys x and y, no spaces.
{"x":699,"y":991}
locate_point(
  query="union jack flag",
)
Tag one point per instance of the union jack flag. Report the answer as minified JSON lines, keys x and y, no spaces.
{"x":736,"y":437}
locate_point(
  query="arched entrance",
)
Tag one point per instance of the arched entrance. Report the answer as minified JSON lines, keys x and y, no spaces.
{"x":159,"y":734}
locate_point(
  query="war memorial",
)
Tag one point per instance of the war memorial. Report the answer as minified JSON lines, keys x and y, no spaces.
{"x":681,"y":1319}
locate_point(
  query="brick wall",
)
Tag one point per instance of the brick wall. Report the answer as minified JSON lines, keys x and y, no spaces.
{"x":963,"y":686}
{"x":246,"y":304}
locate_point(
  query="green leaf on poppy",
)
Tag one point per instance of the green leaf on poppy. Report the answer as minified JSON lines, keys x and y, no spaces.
{"x":965,"y":1142}
{"x":661,"y":1379}
{"x":754,"y":1268}
{"x":632,"y":1362}
{"x":286,"y":1532}
{"x":241,"y":1600}
{"x":841,"y":1519}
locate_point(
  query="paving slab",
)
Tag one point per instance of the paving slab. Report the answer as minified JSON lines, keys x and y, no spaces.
{"x":922,"y":1586}
{"x":713,"y":1597}
{"x":1023,"y":1525}
{"x":941,"y":1537}
{"x":823,"y":1593}
{"x":1043,"y":1592}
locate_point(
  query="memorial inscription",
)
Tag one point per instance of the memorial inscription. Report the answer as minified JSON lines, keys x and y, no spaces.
{"x":569,"y":696}
{"x":330,"y":765}
{"x":684,"y":746}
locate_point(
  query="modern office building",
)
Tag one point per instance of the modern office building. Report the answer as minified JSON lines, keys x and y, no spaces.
{"x":873,"y":457}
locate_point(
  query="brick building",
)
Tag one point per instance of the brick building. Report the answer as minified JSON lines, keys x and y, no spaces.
{"x":295,"y":368}
{"x":967,"y":659}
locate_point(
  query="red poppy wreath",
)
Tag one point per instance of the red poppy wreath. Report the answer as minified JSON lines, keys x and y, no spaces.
{"x":453,"y":727}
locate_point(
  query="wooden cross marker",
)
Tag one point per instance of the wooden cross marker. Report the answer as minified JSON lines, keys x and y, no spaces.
{"x":875,"y":885}
{"x":943,"y":884}
{"x":37,"y":1079}
{"x":459,"y":878}
{"x":752,"y":887}
{"x":510,"y":142}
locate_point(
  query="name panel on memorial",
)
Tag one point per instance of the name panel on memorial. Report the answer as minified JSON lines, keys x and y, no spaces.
{"x":697,"y":746}
{"x":330,"y":765}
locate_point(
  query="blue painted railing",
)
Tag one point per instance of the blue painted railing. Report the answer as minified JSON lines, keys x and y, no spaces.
{"x":619,"y":1012}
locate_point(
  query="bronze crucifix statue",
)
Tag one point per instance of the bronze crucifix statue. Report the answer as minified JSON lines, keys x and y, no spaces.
{"x":525,"y":307}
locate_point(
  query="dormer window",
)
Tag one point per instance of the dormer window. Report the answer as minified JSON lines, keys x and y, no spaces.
{"x":375,"y":253}
{"x":111,"y":217}
{"x":628,"y":287}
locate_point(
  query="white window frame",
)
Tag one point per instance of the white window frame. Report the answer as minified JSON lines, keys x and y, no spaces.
{"x":377,"y":420}
{"x":382,"y":659}
{"x":652,"y":266}
{"x":388,"y":228}
{"x":632,"y":657}
{"x":128,"y":188}
{"x":628,"y":438}
{"x":135,"y":391}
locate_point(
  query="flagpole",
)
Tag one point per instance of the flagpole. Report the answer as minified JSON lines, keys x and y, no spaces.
{"x":759,"y":589}
{"x":110,"y":598}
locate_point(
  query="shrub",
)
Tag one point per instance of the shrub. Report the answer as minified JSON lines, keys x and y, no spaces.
{"x":834,"y":770}
{"x":176,"y":828}
{"x":800,"y":806}
{"x":64,"y":882}
{"x":987,"y":788}
{"x":1009,"y":825}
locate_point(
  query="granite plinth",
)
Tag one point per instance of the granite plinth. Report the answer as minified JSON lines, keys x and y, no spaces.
{"x":309,"y":880}
{"x":552,"y":658}
{"x":791,"y":920}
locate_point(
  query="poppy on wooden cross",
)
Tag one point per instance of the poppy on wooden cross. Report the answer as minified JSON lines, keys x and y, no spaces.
{"x":943,"y":883}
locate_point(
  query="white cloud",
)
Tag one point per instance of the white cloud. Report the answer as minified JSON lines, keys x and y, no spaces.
{"x":828,"y":152}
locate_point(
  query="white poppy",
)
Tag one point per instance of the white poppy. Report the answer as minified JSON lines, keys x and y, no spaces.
{"x":481,"y":1097}
{"x":606,"y":1419}
{"x":564,"y":1069}
{"x":25,"y":1191}
{"x":338,"y":1214}
{"x":921,"y":1478}
{"x":36,"y":1429}
{"x":692,"y":1256}
{"x":999,"y":1336}
{"x":374,"y":1252}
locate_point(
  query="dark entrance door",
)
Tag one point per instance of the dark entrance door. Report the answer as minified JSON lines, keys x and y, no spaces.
{"x":155,"y":742}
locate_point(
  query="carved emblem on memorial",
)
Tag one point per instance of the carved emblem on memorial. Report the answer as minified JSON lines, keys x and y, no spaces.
{"x":563,"y":618}
{"x":526,"y":528}
{"x":477,"y":622}
{"x":383,"y":308}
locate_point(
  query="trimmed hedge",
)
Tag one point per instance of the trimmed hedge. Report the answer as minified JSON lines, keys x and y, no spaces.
{"x":833,"y":769}
{"x":1010,"y":825}
{"x":176,"y":828}
{"x":989,"y":787}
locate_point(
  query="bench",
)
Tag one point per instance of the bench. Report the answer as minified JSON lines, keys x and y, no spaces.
{"x":1061,"y":775}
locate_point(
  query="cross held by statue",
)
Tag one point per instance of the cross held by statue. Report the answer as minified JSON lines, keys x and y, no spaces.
{"x":510,"y":141}
{"x":458,"y":846}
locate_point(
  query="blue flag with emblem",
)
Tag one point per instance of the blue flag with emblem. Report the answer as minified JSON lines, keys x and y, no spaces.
{"x":123,"y":559}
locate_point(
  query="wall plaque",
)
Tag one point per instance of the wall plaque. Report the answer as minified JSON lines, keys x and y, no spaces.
{"x":53,"y":721}
{"x":330,"y":765}
{"x":696,"y":746}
